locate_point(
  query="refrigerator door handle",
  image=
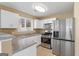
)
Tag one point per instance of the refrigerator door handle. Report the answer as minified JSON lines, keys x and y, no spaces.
{"x":65,"y":40}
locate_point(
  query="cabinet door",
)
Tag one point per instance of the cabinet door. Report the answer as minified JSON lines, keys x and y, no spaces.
{"x":38,"y":39}
{"x":6,"y":46}
{"x":14,"y":21}
{"x":4,"y":22}
{"x":8,"y":19}
{"x":29,"y":51}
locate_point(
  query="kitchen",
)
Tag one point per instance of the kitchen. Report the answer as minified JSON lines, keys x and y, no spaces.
{"x":24,"y":33}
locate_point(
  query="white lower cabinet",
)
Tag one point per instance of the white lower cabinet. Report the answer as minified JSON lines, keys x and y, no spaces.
{"x":6,"y":46}
{"x":36,"y":38}
{"x":29,"y":51}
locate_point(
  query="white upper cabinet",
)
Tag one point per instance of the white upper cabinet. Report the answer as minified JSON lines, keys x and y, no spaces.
{"x":50,"y":20}
{"x":8,"y":19}
{"x":38,"y":24}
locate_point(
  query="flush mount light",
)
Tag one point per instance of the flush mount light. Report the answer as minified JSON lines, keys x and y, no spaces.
{"x":40,"y":7}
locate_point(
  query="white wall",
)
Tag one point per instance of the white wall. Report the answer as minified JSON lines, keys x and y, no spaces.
{"x":76,"y":15}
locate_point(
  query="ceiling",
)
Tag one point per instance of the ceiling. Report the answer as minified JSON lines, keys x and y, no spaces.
{"x":52,"y":7}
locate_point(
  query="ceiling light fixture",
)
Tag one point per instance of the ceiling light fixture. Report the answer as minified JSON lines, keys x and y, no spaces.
{"x":39,"y":8}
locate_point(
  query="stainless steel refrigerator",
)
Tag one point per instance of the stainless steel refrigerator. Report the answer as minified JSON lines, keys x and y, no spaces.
{"x":63,"y":38}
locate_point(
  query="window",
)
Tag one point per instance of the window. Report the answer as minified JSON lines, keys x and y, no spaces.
{"x":22,"y":22}
{"x":25,"y":24}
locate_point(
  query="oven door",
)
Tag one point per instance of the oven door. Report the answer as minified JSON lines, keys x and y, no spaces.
{"x":46,"y":42}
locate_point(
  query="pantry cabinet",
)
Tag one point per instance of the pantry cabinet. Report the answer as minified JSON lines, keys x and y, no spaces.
{"x":8,"y":19}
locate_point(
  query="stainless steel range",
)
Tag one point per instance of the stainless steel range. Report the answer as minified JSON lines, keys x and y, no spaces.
{"x":46,"y":40}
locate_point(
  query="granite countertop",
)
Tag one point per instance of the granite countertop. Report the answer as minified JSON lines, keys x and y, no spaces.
{"x":5,"y":36}
{"x":26,"y":36}
{"x":25,"y":33}
{"x":19,"y":36}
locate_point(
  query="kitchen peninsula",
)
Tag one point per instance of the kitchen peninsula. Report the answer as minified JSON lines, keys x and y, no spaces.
{"x":24,"y":42}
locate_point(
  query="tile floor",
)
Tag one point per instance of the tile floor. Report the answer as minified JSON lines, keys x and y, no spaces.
{"x":41,"y":51}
